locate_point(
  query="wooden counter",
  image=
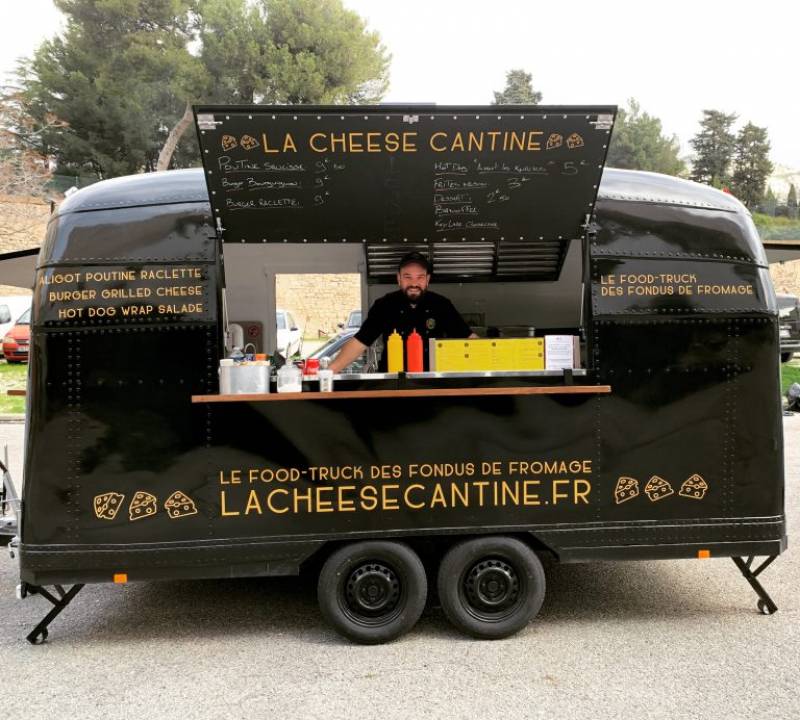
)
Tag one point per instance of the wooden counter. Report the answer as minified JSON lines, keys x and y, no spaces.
{"x":433,"y":392}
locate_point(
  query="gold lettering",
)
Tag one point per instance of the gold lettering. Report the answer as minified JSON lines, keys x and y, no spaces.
{"x":435,"y":147}
{"x":276,"y":491}
{"x":252,"y":503}
{"x":265,"y":143}
{"x":407,"y":499}
{"x":313,"y":140}
{"x":224,"y":511}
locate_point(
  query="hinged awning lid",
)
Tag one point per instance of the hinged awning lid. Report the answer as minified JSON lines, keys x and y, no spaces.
{"x":412,"y":174}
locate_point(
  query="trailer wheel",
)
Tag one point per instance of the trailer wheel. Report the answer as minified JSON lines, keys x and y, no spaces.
{"x":491,"y":587}
{"x":372,"y":592}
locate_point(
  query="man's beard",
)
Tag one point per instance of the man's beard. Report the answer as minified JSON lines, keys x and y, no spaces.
{"x":414,"y":298}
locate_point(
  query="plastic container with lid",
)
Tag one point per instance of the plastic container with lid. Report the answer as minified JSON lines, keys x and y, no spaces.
{"x":250,"y":378}
{"x":226,"y":369}
{"x":290,"y":379}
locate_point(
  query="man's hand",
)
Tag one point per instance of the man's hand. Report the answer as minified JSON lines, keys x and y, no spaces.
{"x":352,"y":349}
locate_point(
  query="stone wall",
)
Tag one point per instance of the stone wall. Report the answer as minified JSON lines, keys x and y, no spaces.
{"x":318,"y":301}
{"x":23,"y":222}
{"x":786,"y":277}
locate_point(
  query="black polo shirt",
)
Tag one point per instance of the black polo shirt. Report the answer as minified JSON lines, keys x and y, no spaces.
{"x":432,"y":316}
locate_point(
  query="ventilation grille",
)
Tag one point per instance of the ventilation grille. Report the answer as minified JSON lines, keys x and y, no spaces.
{"x":472,"y":261}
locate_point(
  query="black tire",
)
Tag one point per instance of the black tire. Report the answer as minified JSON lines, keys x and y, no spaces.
{"x":785,"y":357}
{"x":372,"y":592}
{"x":491,"y":587}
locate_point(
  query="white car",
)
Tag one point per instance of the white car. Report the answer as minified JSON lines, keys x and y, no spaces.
{"x":289,"y":335}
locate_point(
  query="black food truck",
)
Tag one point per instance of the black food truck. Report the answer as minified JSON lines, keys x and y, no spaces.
{"x":630,"y":409}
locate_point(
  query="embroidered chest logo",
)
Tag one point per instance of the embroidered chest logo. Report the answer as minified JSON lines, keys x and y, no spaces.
{"x":430,"y":323}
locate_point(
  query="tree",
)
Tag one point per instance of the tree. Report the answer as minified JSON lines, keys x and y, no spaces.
{"x":752,"y":165}
{"x":125,"y":73}
{"x":518,"y":90}
{"x":713,"y":147}
{"x":638,"y":143}
{"x":791,"y":202}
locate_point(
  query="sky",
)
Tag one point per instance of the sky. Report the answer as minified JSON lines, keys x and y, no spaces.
{"x":675,"y":58}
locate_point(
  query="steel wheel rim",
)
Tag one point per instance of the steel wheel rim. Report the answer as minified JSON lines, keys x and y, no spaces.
{"x":372,"y":594}
{"x":492,"y":589}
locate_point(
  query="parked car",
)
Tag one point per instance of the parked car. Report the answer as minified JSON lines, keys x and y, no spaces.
{"x":11,"y":307}
{"x":289,"y":335}
{"x":17,"y":339}
{"x":365,"y":363}
{"x":789,"y":312}
{"x":353,"y":321}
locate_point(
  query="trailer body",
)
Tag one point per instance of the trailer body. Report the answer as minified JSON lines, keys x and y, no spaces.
{"x":682,"y":457}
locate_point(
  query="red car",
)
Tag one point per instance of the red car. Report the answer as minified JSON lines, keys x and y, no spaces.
{"x":16,"y":342}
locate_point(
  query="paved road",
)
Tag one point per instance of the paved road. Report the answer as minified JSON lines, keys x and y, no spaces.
{"x":621,"y":640}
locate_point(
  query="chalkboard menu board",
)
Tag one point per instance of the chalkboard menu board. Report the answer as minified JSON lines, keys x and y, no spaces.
{"x":421,"y":174}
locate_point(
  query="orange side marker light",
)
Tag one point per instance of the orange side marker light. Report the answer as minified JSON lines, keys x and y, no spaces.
{"x":703,"y":554}
{"x":120,"y":578}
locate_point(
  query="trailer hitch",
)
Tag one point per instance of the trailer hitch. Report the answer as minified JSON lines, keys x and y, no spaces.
{"x":765,"y":604}
{"x":60,"y":600}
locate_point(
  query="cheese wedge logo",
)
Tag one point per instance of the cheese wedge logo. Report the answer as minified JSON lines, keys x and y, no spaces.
{"x":179,"y":505}
{"x":627,"y":489}
{"x":248,"y":142}
{"x":143,"y":505}
{"x":657,"y":489}
{"x":556,"y":140}
{"x":694,"y":488}
{"x":574,"y":141}
{"x":107,"y":505}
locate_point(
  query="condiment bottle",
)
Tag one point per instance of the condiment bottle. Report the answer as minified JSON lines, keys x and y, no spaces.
{"x":394,"y":353}
{"x":414,"y":352}
{"x":325,"y":375}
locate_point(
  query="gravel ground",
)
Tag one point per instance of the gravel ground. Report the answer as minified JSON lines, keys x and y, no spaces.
{"x":669,"y":639}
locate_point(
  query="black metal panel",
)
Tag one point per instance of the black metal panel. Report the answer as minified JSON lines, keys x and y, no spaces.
{"x":112,"y":413}
{"x":279,"y":174}
{"x":630,"y":286}
{"x":164,"y":233}
{"x":653,"y":229}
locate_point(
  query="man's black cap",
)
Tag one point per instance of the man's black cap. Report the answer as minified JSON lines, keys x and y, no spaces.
{"x":414,"y":258}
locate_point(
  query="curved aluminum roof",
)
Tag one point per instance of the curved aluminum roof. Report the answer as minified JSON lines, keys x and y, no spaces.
{"x":188,"y":186}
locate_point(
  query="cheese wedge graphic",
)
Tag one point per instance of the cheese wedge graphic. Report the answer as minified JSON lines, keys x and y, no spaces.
{"x":143,"y":505}
{"x":627,"y":489}
{"x":694,"y":487}
{"x":657,"y":489}
{"x":179,"y":505}
{"x":107,"y":505}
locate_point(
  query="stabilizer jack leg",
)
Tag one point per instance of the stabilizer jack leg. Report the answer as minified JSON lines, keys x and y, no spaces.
{"x":765,"y":604}
{"x":59,"y":601}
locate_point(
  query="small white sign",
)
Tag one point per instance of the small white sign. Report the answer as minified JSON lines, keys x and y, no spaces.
{"x":559,"y":352}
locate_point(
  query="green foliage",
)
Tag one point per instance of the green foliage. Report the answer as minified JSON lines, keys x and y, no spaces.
{"x":713,"y":146}
{"x":121,"y":75}
{"x":639,"y":144}
{"x":518,"y":90}
{"x":791,"y":202}
{"x":752,"y":164}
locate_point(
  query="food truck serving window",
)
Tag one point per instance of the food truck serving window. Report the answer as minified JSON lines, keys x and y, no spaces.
{"x":497,"y":198}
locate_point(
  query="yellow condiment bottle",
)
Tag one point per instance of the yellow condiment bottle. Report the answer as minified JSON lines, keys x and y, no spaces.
{"x":394,"y":353}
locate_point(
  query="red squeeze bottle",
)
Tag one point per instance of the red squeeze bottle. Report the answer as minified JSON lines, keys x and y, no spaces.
{"x":414,"y":352}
